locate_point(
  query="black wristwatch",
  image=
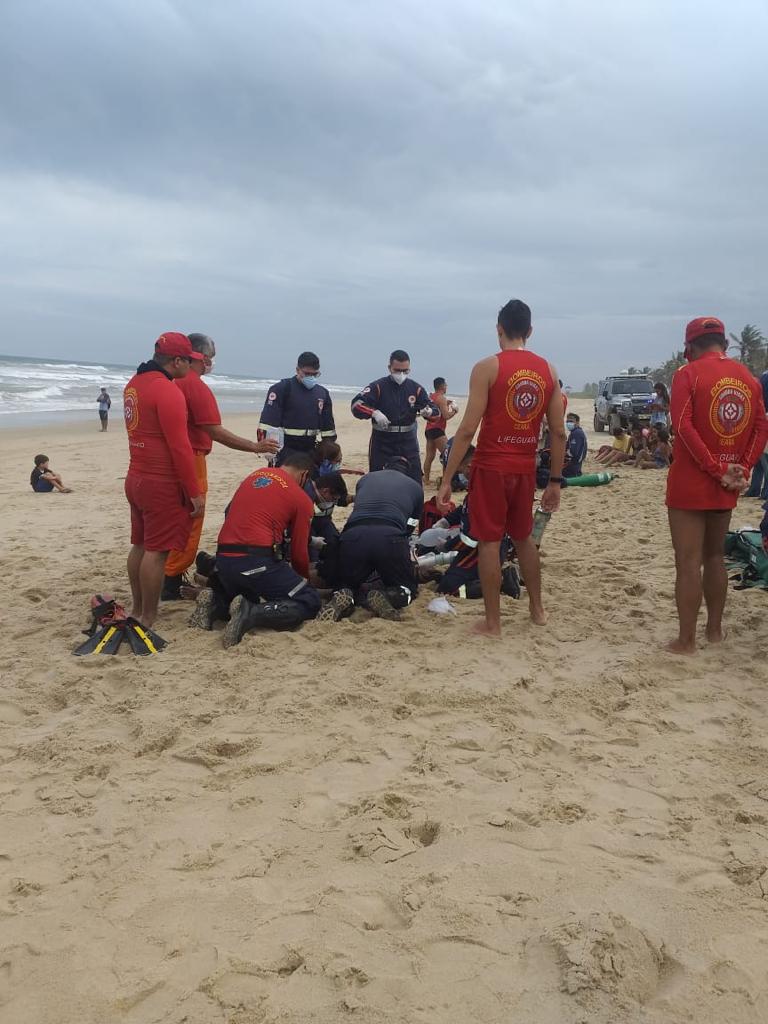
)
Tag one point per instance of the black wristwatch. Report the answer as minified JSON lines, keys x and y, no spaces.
{"x":555,"y":479}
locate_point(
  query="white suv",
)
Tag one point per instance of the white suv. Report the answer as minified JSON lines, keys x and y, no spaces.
{"x":622,"y":399}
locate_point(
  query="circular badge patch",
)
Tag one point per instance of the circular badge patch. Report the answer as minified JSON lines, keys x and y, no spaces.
{"x":525,"y":398}
{"x":731,"y":408}
{"x":411,"y":399}
{"x":131,"y":408}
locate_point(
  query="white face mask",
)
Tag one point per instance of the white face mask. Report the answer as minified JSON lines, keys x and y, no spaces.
{"x":399,"y":378}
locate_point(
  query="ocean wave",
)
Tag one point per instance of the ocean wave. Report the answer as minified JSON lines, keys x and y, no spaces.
{"x":14,"y":408}
{"x":41,"y":394}
{"x":75,"y":366}
{"x":28,"y":386}
{"x":35,"y":373}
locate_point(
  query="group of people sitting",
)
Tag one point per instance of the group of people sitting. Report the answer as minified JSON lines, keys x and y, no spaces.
{"x":319,"y":571}
{"x":642,"y":447}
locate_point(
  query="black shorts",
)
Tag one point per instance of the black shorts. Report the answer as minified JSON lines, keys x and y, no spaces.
{"x":103,"y":415}
{"x":432,"y":433}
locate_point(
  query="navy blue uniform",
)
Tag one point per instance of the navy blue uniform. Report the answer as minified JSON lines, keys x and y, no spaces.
{"x":462,"y":577}
{"x":304,"y":414}
{"x":375,"y":540}
{"x":464,"y":568}
{"x":401,"y":404}
{"x":575,"y":452}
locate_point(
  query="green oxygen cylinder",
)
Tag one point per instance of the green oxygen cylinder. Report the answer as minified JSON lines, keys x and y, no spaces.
{"x":588,"y":480}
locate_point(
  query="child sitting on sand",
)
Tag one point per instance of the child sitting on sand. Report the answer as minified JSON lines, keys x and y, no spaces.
{"x":44,"y":480}
{"x":620,"y":444}
{"x":660,"y":456}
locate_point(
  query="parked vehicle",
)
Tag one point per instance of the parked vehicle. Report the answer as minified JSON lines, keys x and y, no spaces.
{"x":622,"y":399}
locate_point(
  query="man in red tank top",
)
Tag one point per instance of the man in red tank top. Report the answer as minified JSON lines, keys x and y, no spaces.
{"x":435,"y":429}
{"x":509,"y":395}
{"x":719,"y":421}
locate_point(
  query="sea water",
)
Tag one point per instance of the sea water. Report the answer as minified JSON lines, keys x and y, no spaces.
{"x":39,"y":390}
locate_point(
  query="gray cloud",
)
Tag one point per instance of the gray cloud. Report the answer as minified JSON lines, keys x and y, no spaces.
{"x":352,"y":176}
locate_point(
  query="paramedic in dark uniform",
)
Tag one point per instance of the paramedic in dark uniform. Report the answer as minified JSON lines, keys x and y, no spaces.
{"x":301,"y":407}
{"x":375,"y":542}
{"x":392,"y":404}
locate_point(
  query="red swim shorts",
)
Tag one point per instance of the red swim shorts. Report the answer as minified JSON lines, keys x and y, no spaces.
{"x":501,"y":503}
{"x":160,"y":513}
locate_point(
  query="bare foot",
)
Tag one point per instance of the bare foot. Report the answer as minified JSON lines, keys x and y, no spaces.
{"x":715,"y":635}
{"x":680,"y":647}
{"x":539,"y":617}
{"x":482,"y":628}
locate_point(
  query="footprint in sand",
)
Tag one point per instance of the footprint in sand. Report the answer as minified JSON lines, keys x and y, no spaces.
{"x":605,"y":955}
{"x":10,"y":713}
{"x":371,"y":911}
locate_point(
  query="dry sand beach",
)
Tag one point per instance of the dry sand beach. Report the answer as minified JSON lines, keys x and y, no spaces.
{"x":373,"y":821}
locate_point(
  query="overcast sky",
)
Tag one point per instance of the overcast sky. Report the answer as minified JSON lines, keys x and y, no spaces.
{"x":351,"y":176}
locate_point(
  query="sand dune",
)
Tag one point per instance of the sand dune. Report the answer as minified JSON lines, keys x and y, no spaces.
{"x":376,"y":821}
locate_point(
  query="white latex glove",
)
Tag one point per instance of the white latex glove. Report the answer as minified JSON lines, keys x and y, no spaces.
{"x":441,"y":524}
{"x":426,"y":412}
{"x":453,"y":406}
{"x":317,"y":542}
{"x":441,"y":606}
{"x":378,"y":417}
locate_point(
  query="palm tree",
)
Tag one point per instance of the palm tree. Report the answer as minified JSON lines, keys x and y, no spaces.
{"x":666,"y":371}
{"x":752,"y":348}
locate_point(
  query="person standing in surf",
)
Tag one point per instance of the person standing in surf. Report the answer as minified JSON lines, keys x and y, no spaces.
{"x":104,"y":403}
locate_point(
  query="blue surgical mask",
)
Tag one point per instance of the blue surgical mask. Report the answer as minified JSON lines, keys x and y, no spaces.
{"x":569,"y":425}
{"x":336,"y":466}
{"x":309,"y":382}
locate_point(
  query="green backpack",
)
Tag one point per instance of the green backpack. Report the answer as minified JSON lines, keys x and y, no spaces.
{"x":745,"y":555}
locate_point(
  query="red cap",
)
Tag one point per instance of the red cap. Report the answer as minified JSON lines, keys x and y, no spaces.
{"x":174,"y":344}
{"x":703,"y":325}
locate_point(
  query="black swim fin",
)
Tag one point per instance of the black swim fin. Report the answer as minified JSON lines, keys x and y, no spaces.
{"x":105,"y":640}
{"x":142,"y":639}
